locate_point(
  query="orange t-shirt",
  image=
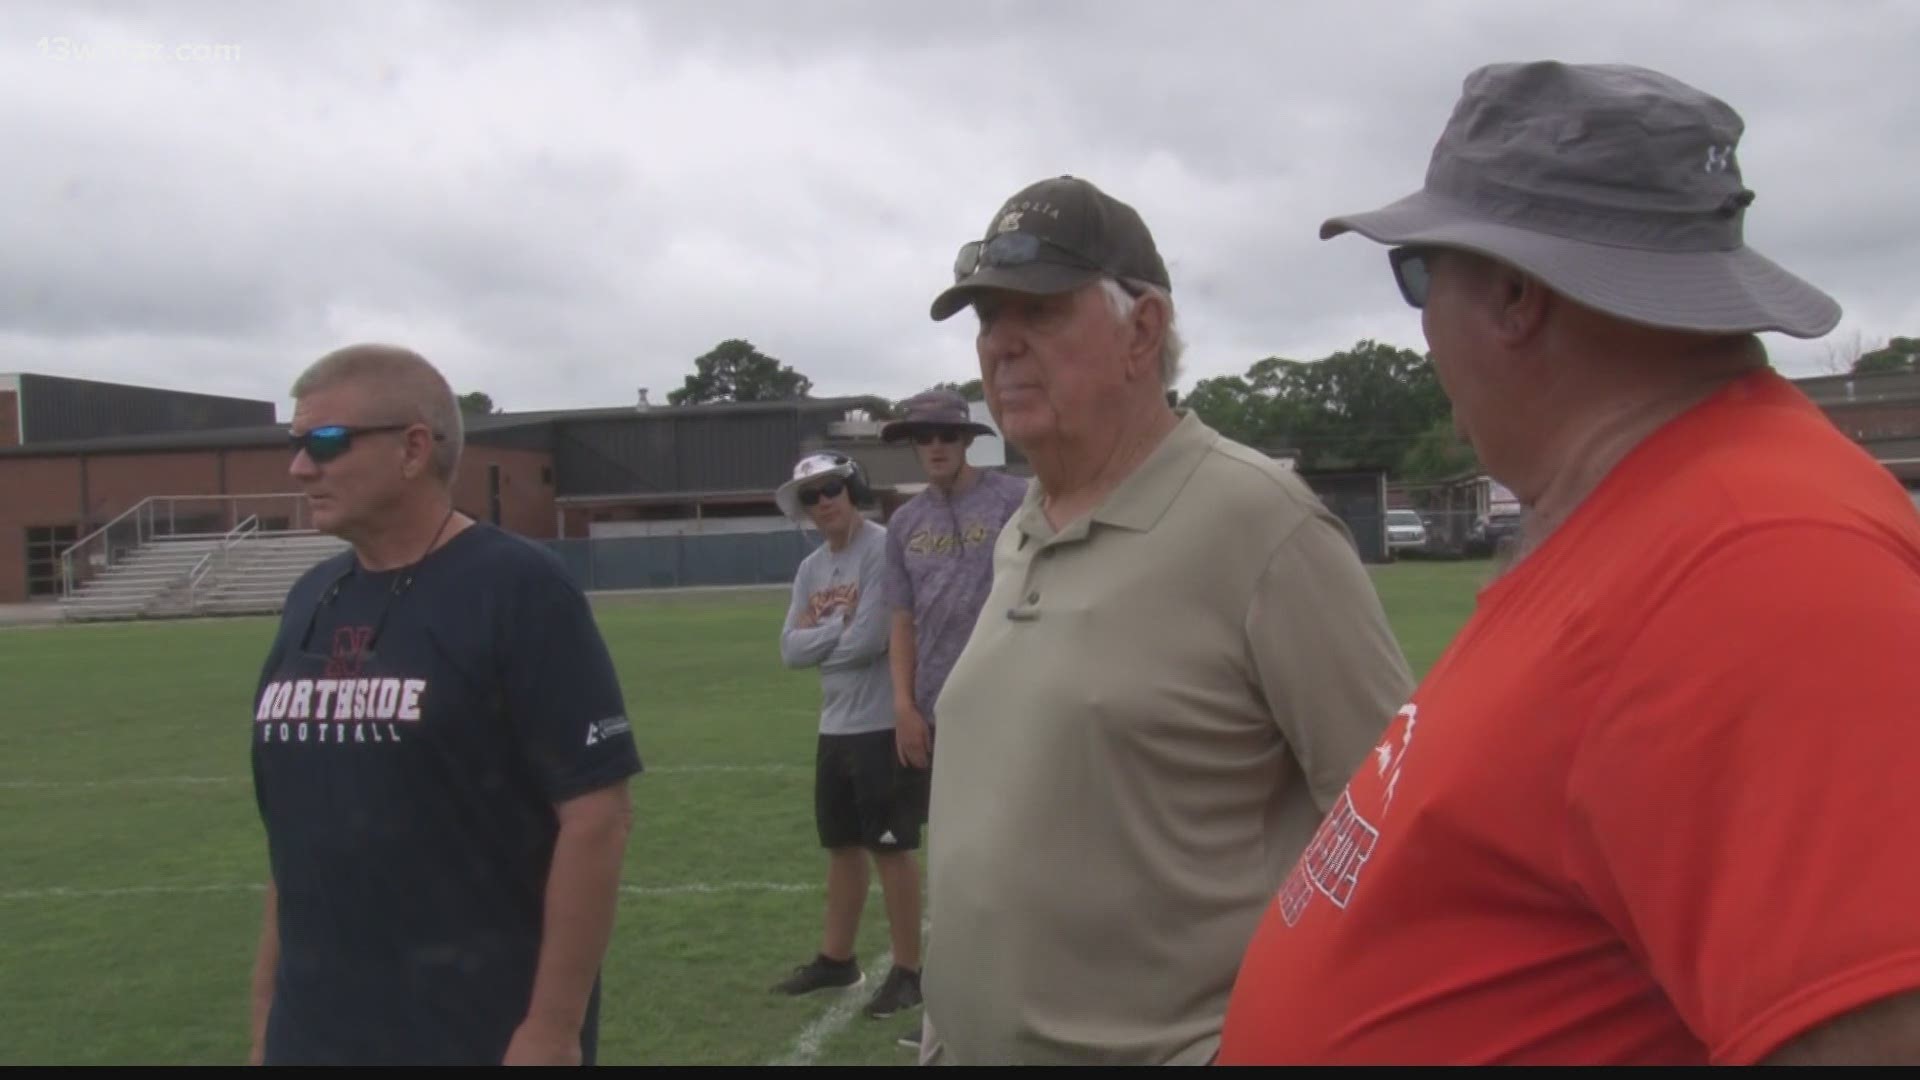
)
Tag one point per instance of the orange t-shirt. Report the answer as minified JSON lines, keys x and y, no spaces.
{"x":1656,"y":802}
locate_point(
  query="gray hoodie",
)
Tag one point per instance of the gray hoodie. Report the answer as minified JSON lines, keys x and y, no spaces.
{"x":856,"y":687}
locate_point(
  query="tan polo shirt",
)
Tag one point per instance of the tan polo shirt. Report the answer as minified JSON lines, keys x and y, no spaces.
{"x":1153,"y":712}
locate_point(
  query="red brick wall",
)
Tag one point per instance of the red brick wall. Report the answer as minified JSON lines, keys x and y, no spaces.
{"x":9,"y":418}
{"x":33,"y":491}
{"x":47,"y":491}
{"x":526,"y":499}
{"x":116,"y":482}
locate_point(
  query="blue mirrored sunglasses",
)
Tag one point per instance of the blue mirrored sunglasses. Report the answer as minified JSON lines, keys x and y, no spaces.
{"x":323,"y":444}
{"x":1013,"y":249}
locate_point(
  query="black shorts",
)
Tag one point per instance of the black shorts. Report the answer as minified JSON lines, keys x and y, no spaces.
{"x":864,"y":797}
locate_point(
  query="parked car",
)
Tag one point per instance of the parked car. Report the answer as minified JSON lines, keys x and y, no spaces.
{"x":1493,"y":532}
{"x":1405,"y":531}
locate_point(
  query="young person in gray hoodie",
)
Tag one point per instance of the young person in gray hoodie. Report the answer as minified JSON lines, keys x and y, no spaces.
{"x":839,"y":621}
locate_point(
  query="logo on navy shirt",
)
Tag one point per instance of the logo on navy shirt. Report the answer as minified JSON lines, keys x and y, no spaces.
{"x":338,"y":710}
{"x":342,"y":707}
{"x":349,"y":651}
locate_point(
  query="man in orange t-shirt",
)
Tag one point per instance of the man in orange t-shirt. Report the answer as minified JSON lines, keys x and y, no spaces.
{"x":1652,"y":806}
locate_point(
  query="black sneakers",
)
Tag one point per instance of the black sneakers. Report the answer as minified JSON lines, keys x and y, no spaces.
{"x":900,"y":992}
{"x":821,"y":973}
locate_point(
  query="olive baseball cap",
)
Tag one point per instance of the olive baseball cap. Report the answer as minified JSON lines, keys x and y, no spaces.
{"x":1054,"y":236}
{"x":1617,"y":186}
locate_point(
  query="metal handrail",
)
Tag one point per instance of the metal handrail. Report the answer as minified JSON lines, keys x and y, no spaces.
{"x":66,"y":557}
{"x":218,"y":556}
{"x":147,"y":524}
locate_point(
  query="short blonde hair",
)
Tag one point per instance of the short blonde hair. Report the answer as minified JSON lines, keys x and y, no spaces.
{"x":410,"y":390}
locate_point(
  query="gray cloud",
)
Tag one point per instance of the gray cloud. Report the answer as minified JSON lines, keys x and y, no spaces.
{"x":563,"y":203}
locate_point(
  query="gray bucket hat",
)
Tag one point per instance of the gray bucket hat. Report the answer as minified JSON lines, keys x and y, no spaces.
{"x":1615,"y":185}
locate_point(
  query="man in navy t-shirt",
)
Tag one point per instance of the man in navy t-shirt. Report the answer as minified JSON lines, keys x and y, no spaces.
{"x":441,"y":754}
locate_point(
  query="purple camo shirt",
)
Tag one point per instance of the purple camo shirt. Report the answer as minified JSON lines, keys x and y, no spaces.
{"x":940,"y":568}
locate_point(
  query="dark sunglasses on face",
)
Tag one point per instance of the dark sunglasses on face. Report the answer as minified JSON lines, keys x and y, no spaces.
{"x":829,"y":490}
{"x":323,"y":444}
{"x":1411,"y":273}
{"x":928,"y":438}
{"x":1012,"y":249}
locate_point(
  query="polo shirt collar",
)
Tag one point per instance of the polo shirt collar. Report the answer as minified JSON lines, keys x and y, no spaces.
{"x":1143,"y":498}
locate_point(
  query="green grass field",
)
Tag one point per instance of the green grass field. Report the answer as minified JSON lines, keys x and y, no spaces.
{"x":130,"y":850}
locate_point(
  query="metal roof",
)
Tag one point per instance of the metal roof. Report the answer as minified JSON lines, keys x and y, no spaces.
{"x":477,"y":427}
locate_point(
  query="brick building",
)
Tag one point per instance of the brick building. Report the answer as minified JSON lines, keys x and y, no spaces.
{"x":76,"y":455}
{"x":546,"y":475}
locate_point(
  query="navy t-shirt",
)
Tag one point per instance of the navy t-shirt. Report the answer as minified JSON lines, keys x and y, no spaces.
{"x":408,"y":781}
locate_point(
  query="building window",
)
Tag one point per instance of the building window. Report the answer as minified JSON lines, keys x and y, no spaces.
{"x":45,"y":544}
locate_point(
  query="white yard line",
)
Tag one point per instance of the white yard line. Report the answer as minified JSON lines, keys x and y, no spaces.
{"x":806,"y":1049}
{"x":125,"y":781}
{"x":693,"y":888}
{"x":191,"y":781}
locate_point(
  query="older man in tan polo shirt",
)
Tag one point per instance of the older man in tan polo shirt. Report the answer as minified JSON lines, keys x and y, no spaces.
{"x":1180,"y":664}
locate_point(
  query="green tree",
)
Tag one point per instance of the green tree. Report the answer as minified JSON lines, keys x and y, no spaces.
{"x":1364,"y":406}
{"x":1437,"y":454}
{"x":736,"y":371}
{"x":477,"y":404}
{"x":971,"y":389}
{"x":1900,"y":354}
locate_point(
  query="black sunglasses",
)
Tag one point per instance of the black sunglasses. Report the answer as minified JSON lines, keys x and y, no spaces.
{"x":928,"y":438}
{"x":323,"y":444}
{"x":829,"y":490}
{"x":1013,"y":249}
{"x":1411,"y":274}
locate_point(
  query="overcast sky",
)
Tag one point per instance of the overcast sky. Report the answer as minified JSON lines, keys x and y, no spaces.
{"x":559,"y":206}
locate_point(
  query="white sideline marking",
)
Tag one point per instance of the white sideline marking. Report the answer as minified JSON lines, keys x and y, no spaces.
{"x":694,"y":888}
{"x":127,"y":781}
{"x":189,"y":781}
{"x":807,"y":1047}
{"x":814,"y":1037}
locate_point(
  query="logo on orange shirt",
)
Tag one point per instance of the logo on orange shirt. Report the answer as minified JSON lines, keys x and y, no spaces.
{"x":1332,"y":862}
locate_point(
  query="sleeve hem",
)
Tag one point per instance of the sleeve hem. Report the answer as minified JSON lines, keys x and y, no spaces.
{"x":611,"y":773}
{"x":1860,"y":985}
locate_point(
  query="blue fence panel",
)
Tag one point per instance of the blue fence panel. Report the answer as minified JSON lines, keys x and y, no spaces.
{"x":665,"y":562}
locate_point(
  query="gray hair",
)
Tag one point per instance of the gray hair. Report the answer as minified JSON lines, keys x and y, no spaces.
{"x":1171,"y":347}
{"x":409,"y":390}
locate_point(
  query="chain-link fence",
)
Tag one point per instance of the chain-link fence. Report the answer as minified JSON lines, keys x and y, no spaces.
{"x":1449,"y":534}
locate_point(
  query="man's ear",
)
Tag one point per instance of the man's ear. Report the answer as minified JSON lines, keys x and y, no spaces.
{"x":1519,"y":304}
{"x":1148,"y":325}
{"x":418,"y":453}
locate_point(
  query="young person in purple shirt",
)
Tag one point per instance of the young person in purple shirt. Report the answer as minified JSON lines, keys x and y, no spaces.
{"x":939,"y":568}
{"x":939,"y":559}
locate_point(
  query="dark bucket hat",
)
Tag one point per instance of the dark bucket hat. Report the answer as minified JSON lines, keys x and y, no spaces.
{"x":934,"y":410}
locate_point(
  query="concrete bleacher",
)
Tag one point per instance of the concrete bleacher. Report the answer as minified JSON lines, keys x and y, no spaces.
{"x":172,"y":577}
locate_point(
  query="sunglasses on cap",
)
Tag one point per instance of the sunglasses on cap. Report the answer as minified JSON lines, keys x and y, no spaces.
{"x":323,"y":444}
{"x":829,"y":490}
{"x":1012,"y":249}
{"x":1411,"y":273}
